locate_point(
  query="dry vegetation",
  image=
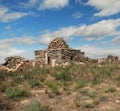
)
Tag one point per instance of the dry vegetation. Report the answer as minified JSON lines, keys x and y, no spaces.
{"x":88,"y":87}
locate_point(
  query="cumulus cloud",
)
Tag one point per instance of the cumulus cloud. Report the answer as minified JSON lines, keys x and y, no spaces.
{"x":100,"y":30}
{"x":97,"y":31}
{"x":106,"y":7}
{"x":66,"y":33}
{"x":53,"y":4}
{"x":6,"y":15}
{"x":11,"y":51}
{"x":98,"y":52}
{"x":8,"y":49}
{"x":27,"y":40}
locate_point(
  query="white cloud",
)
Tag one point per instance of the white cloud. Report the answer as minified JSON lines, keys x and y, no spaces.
{"x":6,"y":15}
{"x":3,"y":10}
{"x":27,"y":40}
{"x":98,"y":52}
{"x":116,"y":40}
{"x":30,"y":3}
{"x":106,"y":7}
{"x":77,"y":15}
{"x":66,"y":33}
{"x":13,"y":16}
{"x":44,"y":4}
{"x":97,"y":31}
{"x":53,"y":4}
{"x":6,"y":50}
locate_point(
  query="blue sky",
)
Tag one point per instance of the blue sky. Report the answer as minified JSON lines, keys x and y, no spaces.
{"x":90,"y":25}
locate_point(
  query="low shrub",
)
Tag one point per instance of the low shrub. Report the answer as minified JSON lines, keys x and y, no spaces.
{"x":53,"y":86}
{"x":28,"y":76}
{"x":18,"y":79}
{"x":35,"y":106}
{"x":88,"y":105}
{"x":81,"y":84}
{"x":92,"y":94}
{"x":16,"y":92}
{"x":34,"y":83}
{"x":103,"y":98}
{"x":5,"y":84}
{"x":63,"y":76}
{"x":110,"y":89}
{"x":3,"y":75}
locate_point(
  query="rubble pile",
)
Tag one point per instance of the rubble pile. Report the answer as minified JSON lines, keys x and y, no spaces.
{"x":58,"y":43}
{"x":111,"y":58}
{"x":13,"y":63}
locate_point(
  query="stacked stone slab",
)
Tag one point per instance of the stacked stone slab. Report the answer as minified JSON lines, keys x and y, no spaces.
{"x":58,"y":43}
{"x":13,"y":63}
{"x":58,"y":52}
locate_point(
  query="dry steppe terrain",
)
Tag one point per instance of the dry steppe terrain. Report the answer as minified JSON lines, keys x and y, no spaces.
{"x":86,"y":87}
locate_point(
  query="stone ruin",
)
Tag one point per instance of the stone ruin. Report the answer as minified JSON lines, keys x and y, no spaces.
{"x":13,"y":63}
{"x":16,"y":63}
{"x":112,"y":59}
{"x":57,"y":53}
{"x":109,"y":59}
{"x":58,"y":43}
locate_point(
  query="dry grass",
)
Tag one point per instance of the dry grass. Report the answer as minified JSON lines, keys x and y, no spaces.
{"x":86,"y":87}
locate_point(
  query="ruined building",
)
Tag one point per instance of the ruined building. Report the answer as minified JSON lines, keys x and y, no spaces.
{"x":58,"y":52}
{"x":17,"y":63}
{"x":109,"y":59}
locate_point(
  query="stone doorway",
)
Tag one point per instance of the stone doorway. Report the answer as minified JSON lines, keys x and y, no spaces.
{"x":71,"y":58}
{"x":49,"y":59}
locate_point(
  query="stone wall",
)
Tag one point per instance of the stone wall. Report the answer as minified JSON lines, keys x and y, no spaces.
{"x":58,"y":52}
{"x":59,"y":56}
{"x":40,"y":56}
{"x":72,"y":55}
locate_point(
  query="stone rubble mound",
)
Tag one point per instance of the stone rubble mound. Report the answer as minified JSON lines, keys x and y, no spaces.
{"x":112,"y":58}
{"x":58,"y":43}
{"x":13,"y":63}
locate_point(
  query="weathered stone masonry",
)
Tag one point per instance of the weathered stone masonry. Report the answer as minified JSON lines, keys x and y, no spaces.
{"x":58,"y":52}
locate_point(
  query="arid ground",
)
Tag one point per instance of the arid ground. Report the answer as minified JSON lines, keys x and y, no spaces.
{"x":88,"y":87}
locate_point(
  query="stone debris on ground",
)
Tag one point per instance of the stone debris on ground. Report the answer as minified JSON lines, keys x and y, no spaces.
{"x":112,"y":58}
{"x":13,"y":63}
{"x":58,"y":53}
{"x":109,"y":59}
